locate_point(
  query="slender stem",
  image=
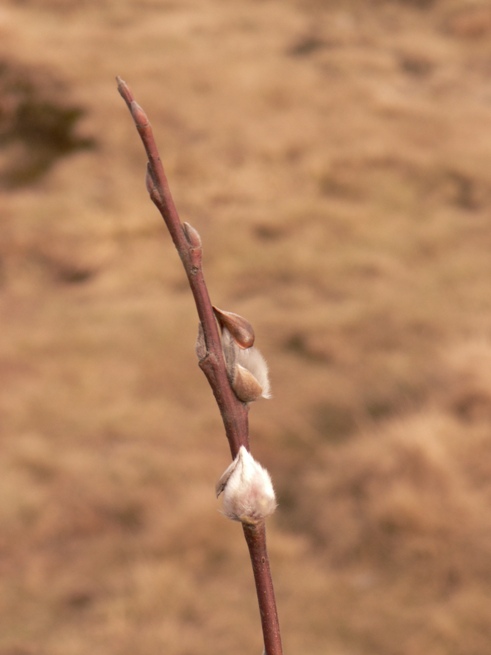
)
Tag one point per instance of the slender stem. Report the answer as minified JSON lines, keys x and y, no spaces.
{"x":234,"y":412}
{"x":255,"y":536}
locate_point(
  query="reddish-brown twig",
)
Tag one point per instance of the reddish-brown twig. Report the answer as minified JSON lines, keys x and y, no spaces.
{"x":234,"y":412}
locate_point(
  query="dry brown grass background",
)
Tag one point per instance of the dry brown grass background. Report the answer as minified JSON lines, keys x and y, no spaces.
{"x":336,"y":159}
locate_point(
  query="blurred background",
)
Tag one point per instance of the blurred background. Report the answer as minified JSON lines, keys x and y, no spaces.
{"x":336,"y":159}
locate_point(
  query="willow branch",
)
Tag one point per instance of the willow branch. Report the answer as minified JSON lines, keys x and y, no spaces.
{"x":233,"y":411}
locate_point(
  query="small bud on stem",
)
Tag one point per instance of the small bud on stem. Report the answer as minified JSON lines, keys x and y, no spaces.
{"x":194,"y":240}
{"x":192,"y":235}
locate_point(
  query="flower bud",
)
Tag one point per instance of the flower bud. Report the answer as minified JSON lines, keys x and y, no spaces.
{"x":248,"y":494}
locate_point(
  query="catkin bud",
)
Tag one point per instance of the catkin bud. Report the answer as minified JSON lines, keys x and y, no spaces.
{"x":248,"y":494}
{"x":247,"y":369}
{"x":252,"y":361}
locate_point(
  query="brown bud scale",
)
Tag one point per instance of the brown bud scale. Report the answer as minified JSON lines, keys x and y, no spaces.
{"x":239,"y":327}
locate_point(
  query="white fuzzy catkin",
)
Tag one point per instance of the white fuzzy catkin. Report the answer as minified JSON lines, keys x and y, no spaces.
{"x":248,"y":494}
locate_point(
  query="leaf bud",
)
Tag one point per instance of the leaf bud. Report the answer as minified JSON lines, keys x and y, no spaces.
{"x":192,"y":235}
